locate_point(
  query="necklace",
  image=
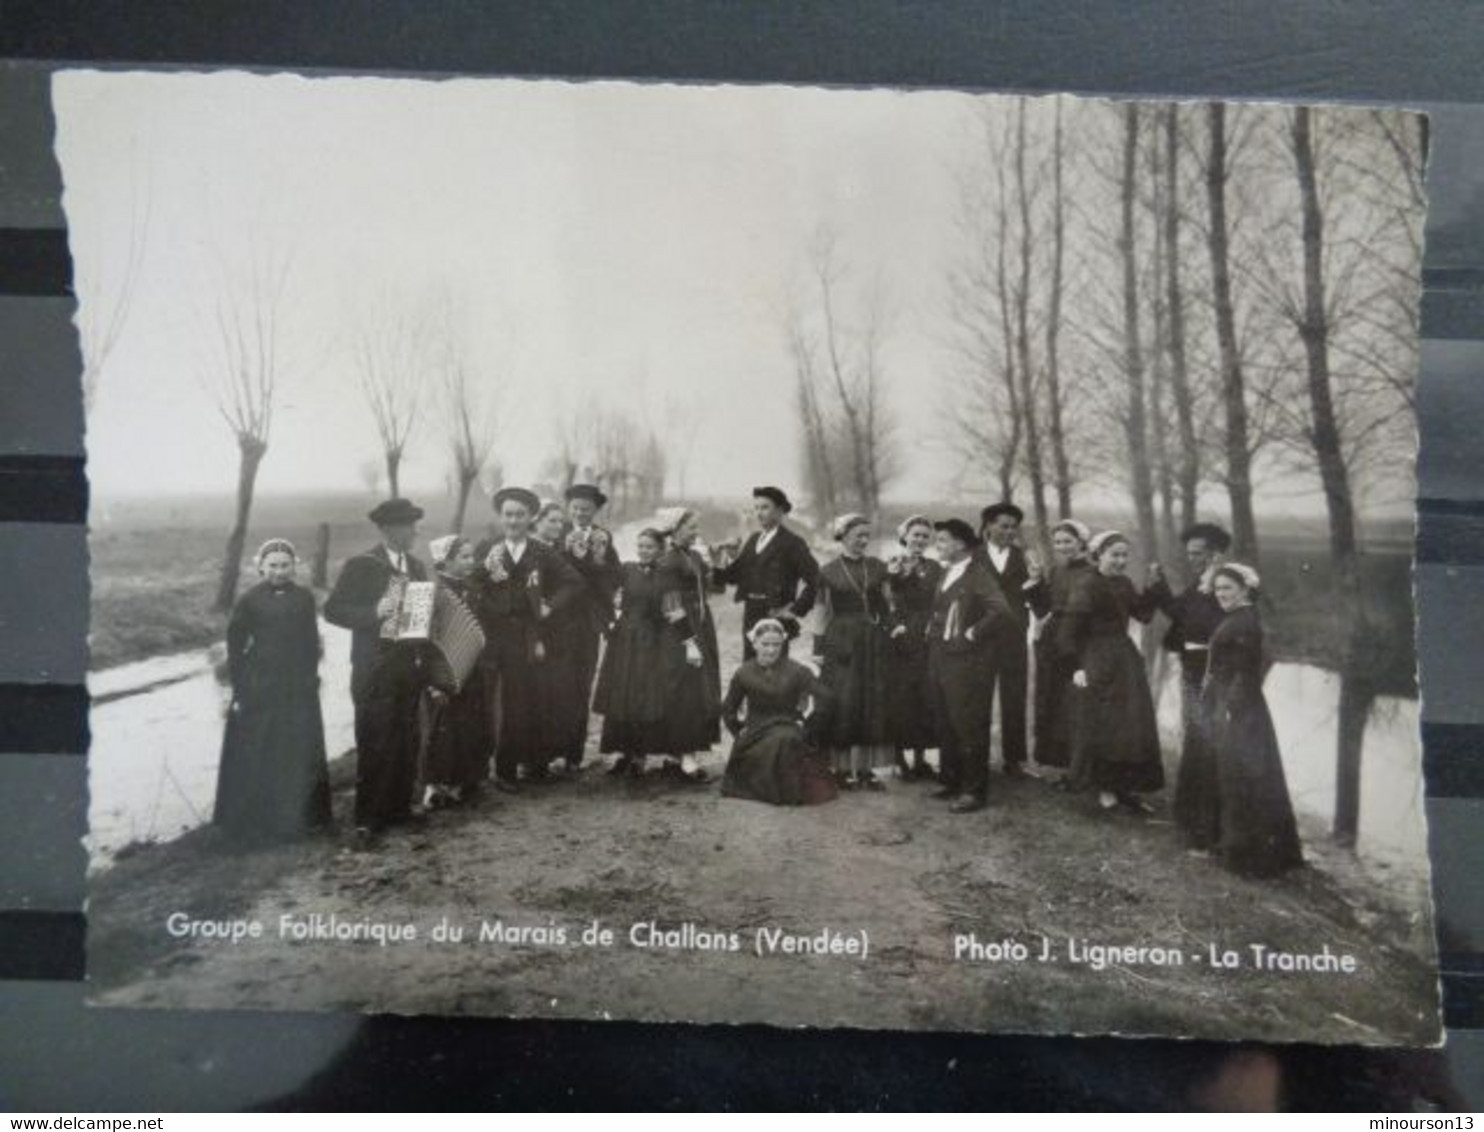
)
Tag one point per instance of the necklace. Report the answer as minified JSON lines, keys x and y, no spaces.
{"x":859,"y":586}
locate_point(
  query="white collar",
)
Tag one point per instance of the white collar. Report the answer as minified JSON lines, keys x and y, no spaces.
{"x":953,"y":573}
{"x":517,"y":550}
{"x":999,"y":555}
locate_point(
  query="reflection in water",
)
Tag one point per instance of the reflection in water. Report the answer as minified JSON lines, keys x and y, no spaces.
{"x":1305,"y":702}
{"x":152,"y":764}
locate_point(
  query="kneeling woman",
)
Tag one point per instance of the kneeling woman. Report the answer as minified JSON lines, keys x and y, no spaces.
{"x":1231,"y":796}
{"x":772,"y":759}
{"x":272,"y":783}
{"x":460,"y":736}
{"x":1117,"y":744}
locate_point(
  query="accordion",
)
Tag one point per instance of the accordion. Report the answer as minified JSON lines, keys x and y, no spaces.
{"x":426,"y":611}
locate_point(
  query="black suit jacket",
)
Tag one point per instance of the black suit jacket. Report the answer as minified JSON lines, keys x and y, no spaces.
{"x":1194,"y":616}
{"x":785,"y":573}
{"x":601,"y":574}
{"x":352,"y":605}
{"x":1012,"y":582}
{"x":512,"y":607}
{"x":970,"y":617}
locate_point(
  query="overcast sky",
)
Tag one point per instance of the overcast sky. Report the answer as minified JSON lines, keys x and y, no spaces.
{"x":637,"y":239}
{"x":599,"y":241}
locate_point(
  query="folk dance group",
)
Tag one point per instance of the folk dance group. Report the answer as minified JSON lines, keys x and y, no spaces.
{"x":910,"y":654}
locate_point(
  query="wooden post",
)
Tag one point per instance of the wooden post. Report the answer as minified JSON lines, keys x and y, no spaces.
{"x":321,"y":575}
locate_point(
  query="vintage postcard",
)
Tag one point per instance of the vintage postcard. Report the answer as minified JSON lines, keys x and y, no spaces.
{"x":842,"y":558}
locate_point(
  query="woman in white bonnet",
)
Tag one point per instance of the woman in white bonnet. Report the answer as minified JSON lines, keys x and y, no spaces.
{"x":460,"y":735}
{"x":856,"y":621}
{"x":1231,"y":796}
{"x":693,"y":668}
{"x":272,"y":782}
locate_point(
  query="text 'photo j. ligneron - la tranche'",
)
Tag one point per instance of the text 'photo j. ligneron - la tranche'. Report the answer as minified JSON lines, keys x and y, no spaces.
{"x":896,"y":559}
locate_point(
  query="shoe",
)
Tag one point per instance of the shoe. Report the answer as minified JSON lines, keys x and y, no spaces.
{"x":945,"y":792}
{"x":1134,"y":803}
{"x":621,"y":765}
{"x":871,"y":782}
{"x":507,"y":786}
{"x":1107,"y":801}
{"x":968,"y":804}
{"x":1014,"y":770}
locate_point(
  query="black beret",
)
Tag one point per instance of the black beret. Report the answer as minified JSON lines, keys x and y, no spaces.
{"x":395,"y":512}
{"x":776,"y":495}
{"x":520,"y":495}
{"x":958,"y":529}
{"x":587,"y":491}
{"x":995,"y":510}
{"x":1214,"y":536}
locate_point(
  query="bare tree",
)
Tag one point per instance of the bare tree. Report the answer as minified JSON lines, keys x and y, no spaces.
{"x":242,"y":377}
{"x":107,"y":299}
{"x":1180,"y":382}
{"x":392,"y":348}
{"x":471,"y":409}
{"x":1028,"y":393}
{"x":842,"y":382}
{"x":1135,"y":421}
{"x":1238,"y":446}
{"x":1060,"y":462}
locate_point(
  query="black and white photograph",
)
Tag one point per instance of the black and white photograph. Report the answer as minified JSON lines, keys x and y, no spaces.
{"x":876,"y":558}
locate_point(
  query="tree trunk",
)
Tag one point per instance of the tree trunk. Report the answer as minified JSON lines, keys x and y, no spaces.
{"x":1190,"y":466}
{"x":320,"y":575}
{"x":1061,"y":465}
{"x":1233,"y":384}
{"x":1335,"y":478}
{"x":393,"y":470}
{"x":1028,"y":408}
{"x":250,"y":455}
{"x":466,"y":478}
{"x":1159,"y":364}
{"x":1136,"y":423}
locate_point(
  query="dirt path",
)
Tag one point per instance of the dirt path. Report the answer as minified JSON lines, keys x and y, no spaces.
{"x":894,"y":866}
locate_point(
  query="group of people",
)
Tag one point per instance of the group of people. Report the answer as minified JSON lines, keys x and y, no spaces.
{"x":910,"y":654}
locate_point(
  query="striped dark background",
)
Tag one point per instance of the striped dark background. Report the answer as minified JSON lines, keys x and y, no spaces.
{"x":54,"y":1053}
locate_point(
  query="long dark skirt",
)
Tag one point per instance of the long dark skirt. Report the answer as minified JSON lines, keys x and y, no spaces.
{"x":563,"y":705}
{"x":910,"y":698}
{"x":1235,"y":798}
{"x":1117,"y":738}
{"x":773,"y":763}
{"x":632,"y":686}
{"x":461,"y":737}
{"x":1056,"y":705}
{"x":692,"y":720}
{"x":272,"y":782}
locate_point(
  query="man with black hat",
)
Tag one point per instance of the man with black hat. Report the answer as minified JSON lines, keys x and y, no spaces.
{"x":970,"y":617}
{"x":386,"y":675}
{"x":775,"y":573}
{"x":999,"y":528}
{"x":589,"y":549}
{"x":520,"y":587}
{"x":1194,"y":613}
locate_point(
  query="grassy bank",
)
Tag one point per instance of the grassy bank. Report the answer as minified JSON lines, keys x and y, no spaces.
{"x":155,"y":574}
